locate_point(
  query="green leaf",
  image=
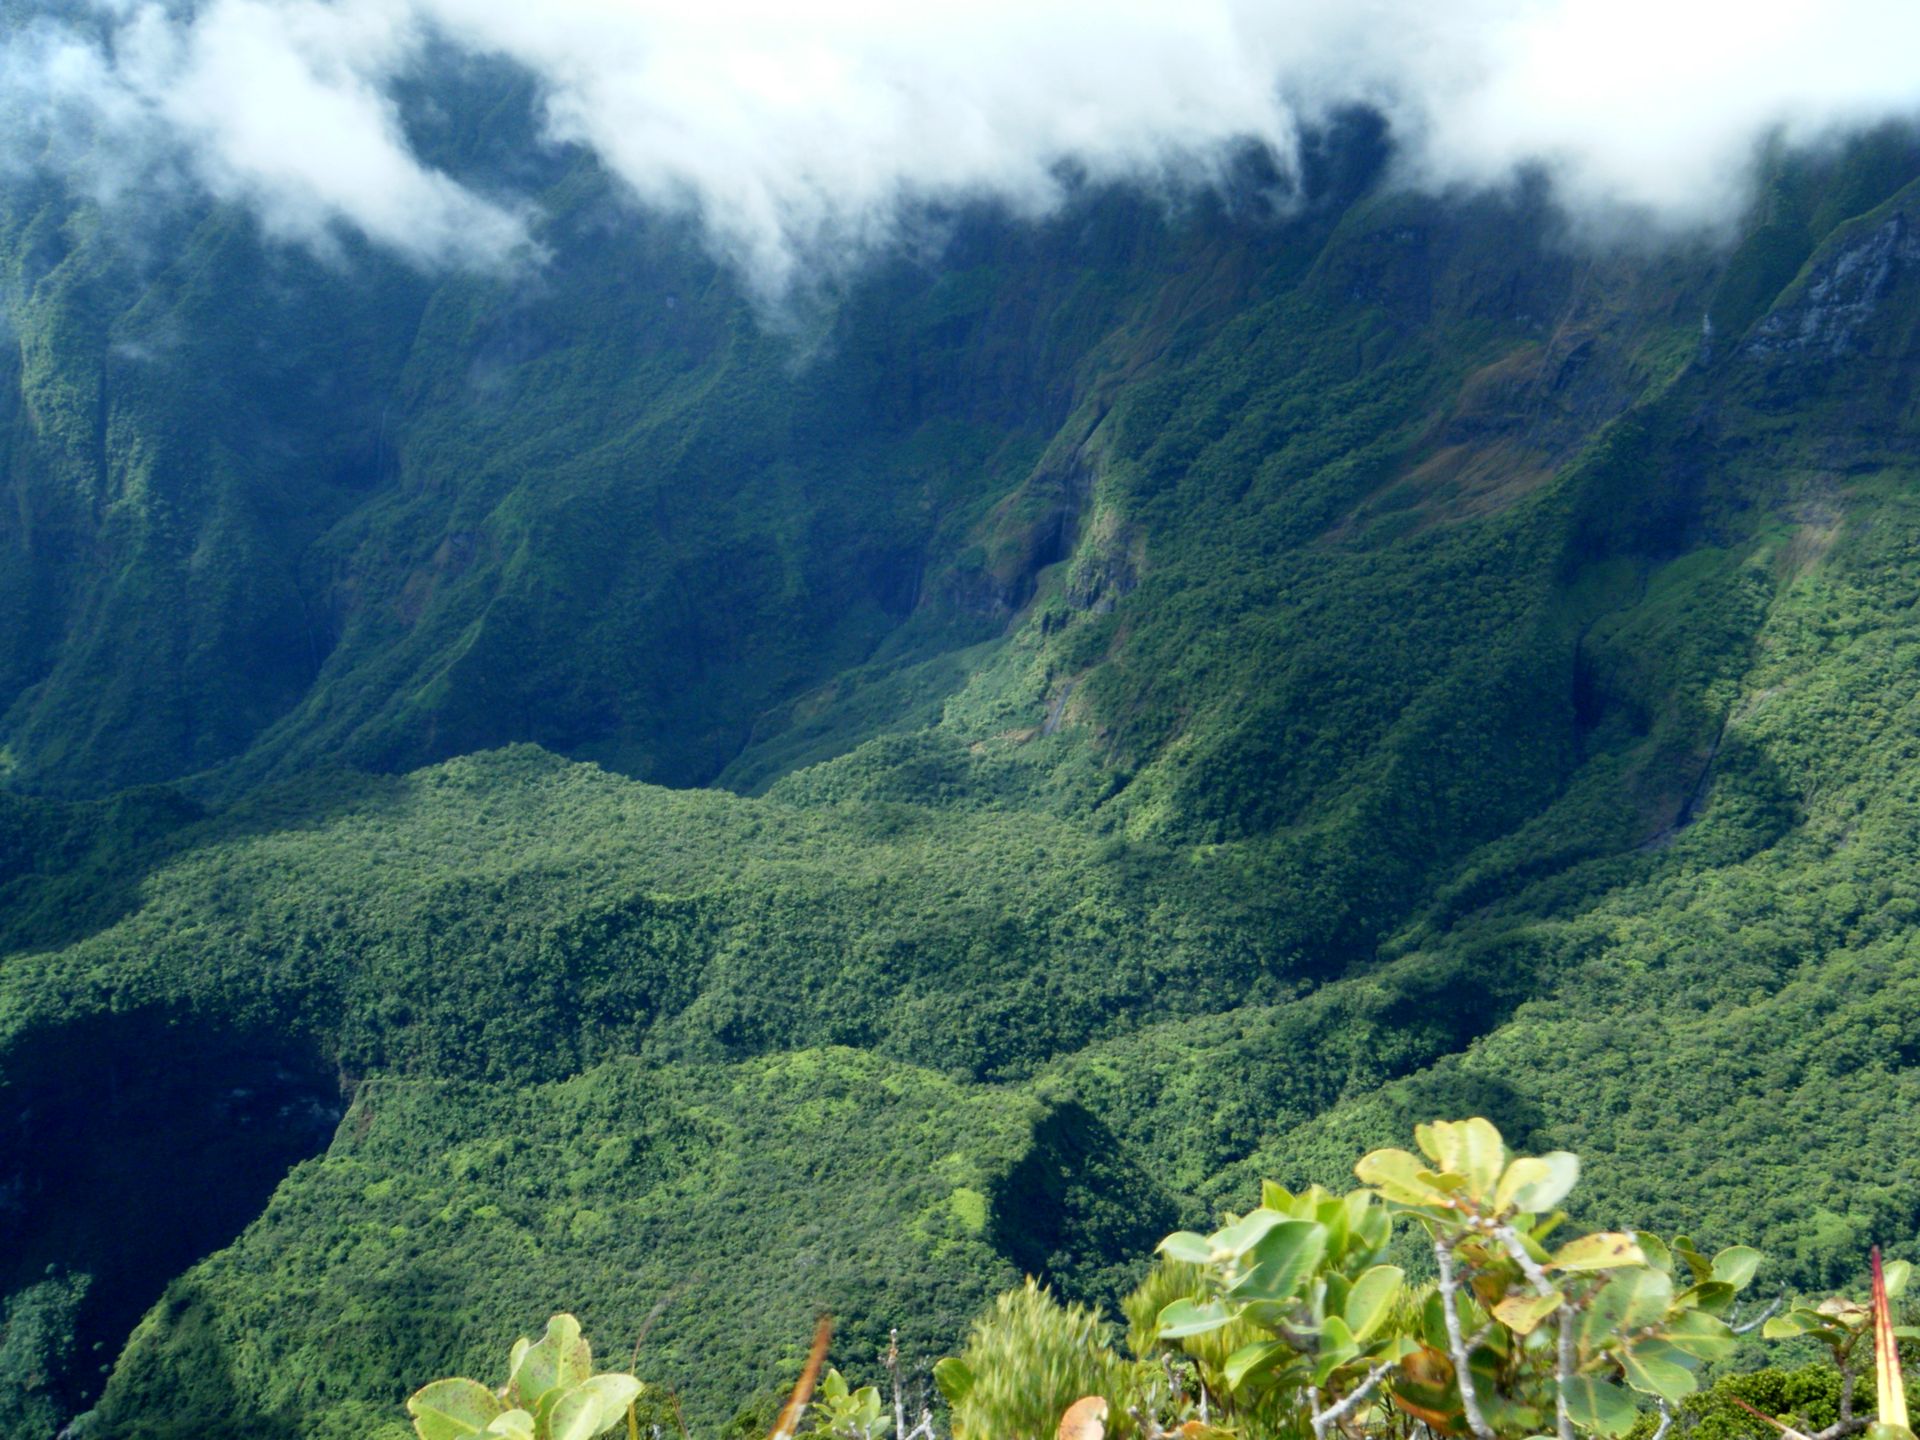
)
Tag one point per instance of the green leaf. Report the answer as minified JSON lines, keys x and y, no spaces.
{"x":1243,"y":1234}
{"x":1897,"y":1272}
{"x":1715,"y":1297}
{"x":1186,"y":1246}
{"x":1398,"y":1177}
{"x":1284,"y":1257}
{"x":1632,"y":1300}
{"x":1375,"y":1226}
{"x":1361,"y":1206}
{"x":1736,"y":1264}
{"x":1250,"y":1362}
{"x":1599,"y":1405}
{"x":1370,"y":1301}
{"x":592,"y":1406}
{"x":512,"y":1425}
{"x":1274,"y":1195}
{"x":1701,"y":1267}
{"x":1656,"y":1368}
{"x":1655,"y":1249}
{"x":1336,"y":1349}
{"x":1785,"y":1327}
{"x":1701,"y":1335}
{"x":1522,"y":1314}
{"x":1607,"y":1250}
{"x":559,"y":1360}
{"x":1433,"y":1323}
{"x":1332,"y":1217}
{"x":1184,"y":1318}
{"x":1337,"y":1338}
{"x":953,"y":1378}
{"x":450,"y":1409}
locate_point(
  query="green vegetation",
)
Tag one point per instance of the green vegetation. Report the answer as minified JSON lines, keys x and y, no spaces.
{"x":1181,"y":696}
{"x":1287,"y":1321}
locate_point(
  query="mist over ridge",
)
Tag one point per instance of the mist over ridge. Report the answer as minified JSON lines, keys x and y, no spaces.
{"x":801,"y":138}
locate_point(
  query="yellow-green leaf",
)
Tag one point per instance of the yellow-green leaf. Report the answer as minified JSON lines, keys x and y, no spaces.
{"x":1471,"y":1149}
{"x":592,"y":1406}
{"x":1537,"y":1183}
{"x":1399,"y":1177}
{"x":452,"y":1409}
{"x":1522,"y":1314}
{"x":954,"y":1379}
{"x":1897,"y":1272}
{"x":560,"y":1359}
{"x":1608,"y":1250}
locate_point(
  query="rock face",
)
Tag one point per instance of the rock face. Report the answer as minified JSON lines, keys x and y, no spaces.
{"x":1840,"y":298}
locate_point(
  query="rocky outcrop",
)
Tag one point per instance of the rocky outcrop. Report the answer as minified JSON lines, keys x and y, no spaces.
{"x":1842,"y":296}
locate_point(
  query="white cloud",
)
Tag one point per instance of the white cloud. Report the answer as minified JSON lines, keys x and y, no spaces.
{"x":797,"y":131}
{"x":283,"y":104}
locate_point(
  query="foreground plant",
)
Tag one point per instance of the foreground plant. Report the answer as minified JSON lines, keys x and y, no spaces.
{"x":551,"y":1394}
{"x":1517,"y":1336}
{"x":1850,"y":1331}
{"x":1290,"y":1323}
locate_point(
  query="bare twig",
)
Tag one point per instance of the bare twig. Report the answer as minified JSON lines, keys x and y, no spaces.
{"x":1324,"y":1420}
{"x":1746,"y":1327}
{"x":659,"y":1309}
{"x":890,"y":1358}
{"x":1780,"y":1425}
{"x":1147,"y":1423}
{"x":788,"y":1425}
{"x":1564,"y":1358}
{"x":1666,"y":1421}
{"x":1456,"y":1343}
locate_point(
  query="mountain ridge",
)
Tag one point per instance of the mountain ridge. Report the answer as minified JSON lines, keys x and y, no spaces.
{"x":1188,"y":693}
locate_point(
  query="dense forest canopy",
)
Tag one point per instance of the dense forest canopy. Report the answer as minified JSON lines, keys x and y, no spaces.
{"x":574,"y":790}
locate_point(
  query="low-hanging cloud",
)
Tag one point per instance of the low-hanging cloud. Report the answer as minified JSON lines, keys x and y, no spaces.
{"x":801,"y":133}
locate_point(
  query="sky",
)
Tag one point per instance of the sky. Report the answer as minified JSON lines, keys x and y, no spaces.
{"x":800,"y":132}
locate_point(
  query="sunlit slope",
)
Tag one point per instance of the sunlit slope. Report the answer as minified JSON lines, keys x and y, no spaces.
{"x":1322,"y":672}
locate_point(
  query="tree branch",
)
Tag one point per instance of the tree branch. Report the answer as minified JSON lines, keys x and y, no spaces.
{"x":1449,"y":1290}
{"x":1748,"y":1326}
{"x":1564,"y":1356}
{"x":1324,"y":1420}
{"x":891,"y":1359}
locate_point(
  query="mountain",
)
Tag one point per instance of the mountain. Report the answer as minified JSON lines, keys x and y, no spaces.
{"x":567,"y":788}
